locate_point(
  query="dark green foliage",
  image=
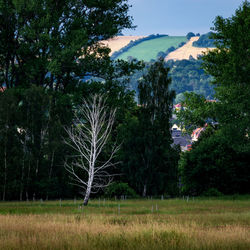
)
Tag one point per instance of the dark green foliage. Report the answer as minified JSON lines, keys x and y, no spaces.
{"x":119,"y":189}
{"x":212,"y":192}
{"x":198,"y":112}
{"x":149,"y":161}
{"x":50,"y":43}
{"x":230,"y":66}
{"x":213,"y":163}
{"x":10,"y":145}
{"x":205,"y":41}
{"x":48,"y":51}
{"x":35,"y":156}
{"x":181,"y":44}
{"x":220,"y":159}
{"x":186,"y":75}
{"x":33,"y":120}
{"x":189,"y":35}
{"x":179,"y":98}
{"x":162,"y":54}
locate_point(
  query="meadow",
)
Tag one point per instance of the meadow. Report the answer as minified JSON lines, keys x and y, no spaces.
{"x":148,"y":50}
{"x":119,"y":42}
{"x":127,"y":224}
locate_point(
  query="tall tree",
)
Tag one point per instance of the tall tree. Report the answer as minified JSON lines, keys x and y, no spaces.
{"x":10,"y":145}
{"x":88,"y":138}
{"x":51,"y":43}
{"x":220,"y":159}
{"x":153,"y":163}
{"x":48,"y":52}
{"x":229,"y":65}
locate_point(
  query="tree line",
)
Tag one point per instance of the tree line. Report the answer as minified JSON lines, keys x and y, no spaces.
{"x":219,"y":160}
{"x":49,"y":56}
{"x":186,"y":76}
{"x":51,"y":63}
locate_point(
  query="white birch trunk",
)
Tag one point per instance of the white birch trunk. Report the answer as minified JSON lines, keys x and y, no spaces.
{"x":88,"y":138}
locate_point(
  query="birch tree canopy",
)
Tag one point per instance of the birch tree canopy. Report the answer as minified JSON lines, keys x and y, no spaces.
{"x":88,"y":137}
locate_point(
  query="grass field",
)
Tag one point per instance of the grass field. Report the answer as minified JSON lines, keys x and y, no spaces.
{"x":148,"y":50}
{"x":119,"y":42}
{"x":129,"y":224}
{"x":186,"y":51}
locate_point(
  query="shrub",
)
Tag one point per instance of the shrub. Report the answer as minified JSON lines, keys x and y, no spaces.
{"x":212,"y":192}
{"x":120,"y":189}
{"x":189,"y":35}
{"x":205,"y":41}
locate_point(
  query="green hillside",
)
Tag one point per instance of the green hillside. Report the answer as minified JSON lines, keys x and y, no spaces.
{"x":149,"y":49}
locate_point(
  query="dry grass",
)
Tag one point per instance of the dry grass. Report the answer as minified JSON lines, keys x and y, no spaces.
{"x":177,"y":224}
{"x":119,"y":42}
{"x":186,"y":51}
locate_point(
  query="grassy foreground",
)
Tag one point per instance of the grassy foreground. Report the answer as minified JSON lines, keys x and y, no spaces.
{"x":129,"y":224}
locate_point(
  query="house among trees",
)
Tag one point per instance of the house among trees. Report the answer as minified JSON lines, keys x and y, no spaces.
{"x":179,"y":138}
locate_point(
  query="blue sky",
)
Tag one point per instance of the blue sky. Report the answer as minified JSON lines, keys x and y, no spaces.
{"x":178,"y":17}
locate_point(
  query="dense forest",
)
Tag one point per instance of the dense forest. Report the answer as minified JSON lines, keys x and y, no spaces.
{"x":52,"y":71}
{"x":186,"y":75}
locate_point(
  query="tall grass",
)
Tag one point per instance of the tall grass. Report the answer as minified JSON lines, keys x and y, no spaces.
{"x":177,"y":224}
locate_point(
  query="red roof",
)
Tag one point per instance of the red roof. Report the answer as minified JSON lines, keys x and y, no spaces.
{"x":197,"y":132}
{"x":177,"y":105}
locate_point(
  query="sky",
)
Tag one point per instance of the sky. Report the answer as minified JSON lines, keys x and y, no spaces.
{"x":178,"y":17}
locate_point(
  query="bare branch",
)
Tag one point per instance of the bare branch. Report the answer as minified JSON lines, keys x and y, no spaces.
{"x":88,"y":136}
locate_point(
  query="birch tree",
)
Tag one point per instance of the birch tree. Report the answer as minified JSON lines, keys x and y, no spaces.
{"x":88,"y":137}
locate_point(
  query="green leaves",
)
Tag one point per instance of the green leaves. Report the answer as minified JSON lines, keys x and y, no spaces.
{"x":149,"y":161}
{"x":196,"y":111}
{"x":41,"y":37}
{"x":220,"y":158}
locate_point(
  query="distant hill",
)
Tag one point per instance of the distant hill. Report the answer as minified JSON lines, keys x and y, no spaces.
{"x":148,"y":50}
{"x":151,"y":47}
{"x":205,"y":41}
{"x":186,"y":75}
{"x":119,"y":42}
{"x":185,"y":68}
{"x":186,"y":51}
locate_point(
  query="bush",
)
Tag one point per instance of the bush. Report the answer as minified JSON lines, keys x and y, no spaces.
{"x":181,"y":44}
{"x":205,"y":41}
{"x":120,"y":189}
{"x":189,"y":35}
{"x":212,"y":192}
{"x":214,"y":163}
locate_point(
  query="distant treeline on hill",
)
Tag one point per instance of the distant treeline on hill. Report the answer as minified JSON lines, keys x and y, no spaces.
{"x":163,"y":54}
{"x":186,"y":75}
{"x":134,"y":43}
{"x":205,"y":41}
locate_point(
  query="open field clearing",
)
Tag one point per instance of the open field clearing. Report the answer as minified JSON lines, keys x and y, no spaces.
{"x":130,"y":224}
{"x":119,"y":42}
{"x":148,"y":50}
{"x":186,"y":51}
